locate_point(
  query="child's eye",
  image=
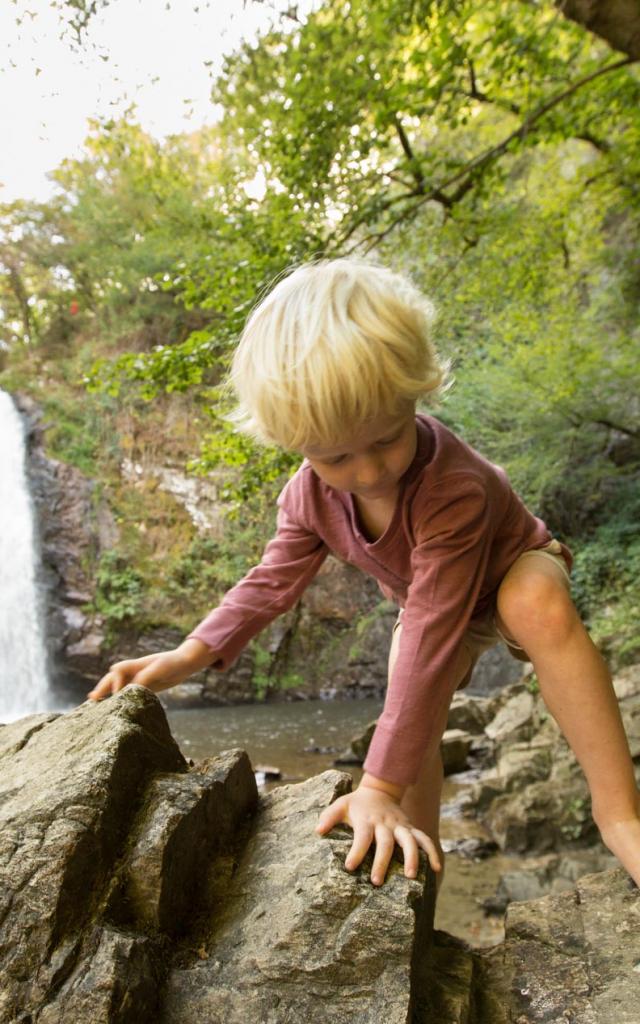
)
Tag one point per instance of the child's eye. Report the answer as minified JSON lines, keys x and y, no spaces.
{"x":389,"y":440}
{"x":335,"y":462}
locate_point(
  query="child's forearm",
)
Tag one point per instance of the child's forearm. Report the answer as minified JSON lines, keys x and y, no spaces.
{"x":197,"y":654}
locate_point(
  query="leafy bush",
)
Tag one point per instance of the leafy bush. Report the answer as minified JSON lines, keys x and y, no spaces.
{"x":606,"y":572}
{"x":119,"y":589}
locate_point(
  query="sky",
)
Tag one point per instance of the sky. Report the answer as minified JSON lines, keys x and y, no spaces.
{"x":160,"y":55}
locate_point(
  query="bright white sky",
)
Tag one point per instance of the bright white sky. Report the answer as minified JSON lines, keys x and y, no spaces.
{"x":151,"y":53}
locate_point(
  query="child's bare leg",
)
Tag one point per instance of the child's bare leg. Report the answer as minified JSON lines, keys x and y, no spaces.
{"x":535,"y":608}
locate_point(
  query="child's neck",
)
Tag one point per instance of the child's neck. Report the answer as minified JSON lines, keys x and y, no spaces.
{"x":375,"y":514}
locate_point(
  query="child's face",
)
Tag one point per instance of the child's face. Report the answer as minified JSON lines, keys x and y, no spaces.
{"x":371,"y":462}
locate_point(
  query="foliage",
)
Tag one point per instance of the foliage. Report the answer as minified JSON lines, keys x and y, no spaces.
{"x":606,"y":572}
{"x":419,"y":102}
{"x":491,"y":151}
{"x":119,"y":590}
{"x":541,"y":320}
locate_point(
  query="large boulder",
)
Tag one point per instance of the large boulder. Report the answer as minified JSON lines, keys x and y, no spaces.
{"x":296,"y":936}
{"x":570,"y":957}
{"x":138,"y":889}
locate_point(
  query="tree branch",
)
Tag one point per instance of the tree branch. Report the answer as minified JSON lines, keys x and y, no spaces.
{"x":477,"y":94}
{"x":468,"y":174}
{"x":616,"y":426}
{"x":414,"y":165}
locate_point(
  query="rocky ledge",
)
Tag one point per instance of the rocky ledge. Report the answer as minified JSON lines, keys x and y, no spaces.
{"x":137,"y":887}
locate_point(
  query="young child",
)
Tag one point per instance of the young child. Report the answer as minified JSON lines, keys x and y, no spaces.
{"x":331,"y":364}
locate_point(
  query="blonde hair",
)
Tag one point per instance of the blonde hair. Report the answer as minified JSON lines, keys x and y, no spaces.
{"x":333,"y":345}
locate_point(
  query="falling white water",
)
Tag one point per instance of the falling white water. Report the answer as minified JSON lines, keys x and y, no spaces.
{"x":24,"y":684}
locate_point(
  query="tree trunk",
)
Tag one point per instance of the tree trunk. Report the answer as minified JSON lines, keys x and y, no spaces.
{"x":616,"y":21}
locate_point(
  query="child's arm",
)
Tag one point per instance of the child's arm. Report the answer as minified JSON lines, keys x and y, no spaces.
{"x":290,"y":561}
{"x":373,"y":812}
{"x":448,"y":567}
{"x":155,"y":671}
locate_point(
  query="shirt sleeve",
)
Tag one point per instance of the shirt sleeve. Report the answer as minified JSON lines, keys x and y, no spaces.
{"x":290,"y":561}
{"x":449,"y":563}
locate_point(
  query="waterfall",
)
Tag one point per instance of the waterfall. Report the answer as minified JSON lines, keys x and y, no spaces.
{"x":24,"y":683}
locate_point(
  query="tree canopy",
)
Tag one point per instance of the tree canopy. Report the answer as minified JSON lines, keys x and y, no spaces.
{"x":489,"y":150}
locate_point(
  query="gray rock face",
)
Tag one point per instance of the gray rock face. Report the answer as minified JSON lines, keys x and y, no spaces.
{"x":532,"y":795}
{"x":73,"y":943}
{"x":572,"y":957}
{"x":68,"y":787}
{"x":137,"y":890}
{"x":455,"y":748}
{"x":310,"y":933}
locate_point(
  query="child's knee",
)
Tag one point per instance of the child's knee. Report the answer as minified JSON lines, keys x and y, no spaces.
{"x":535,"y":603}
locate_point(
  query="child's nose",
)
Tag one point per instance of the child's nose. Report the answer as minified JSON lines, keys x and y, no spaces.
{"x":369,"y":471}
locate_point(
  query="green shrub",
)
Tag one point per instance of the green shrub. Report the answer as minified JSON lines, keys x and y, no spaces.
{"x":119,"y":589}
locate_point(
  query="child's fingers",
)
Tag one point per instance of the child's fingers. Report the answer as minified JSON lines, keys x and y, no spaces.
{"x":332,"y":815}
{"x":385,"y":844}
{"x":409,"y":846}
{"x":120,"y":673}
{"x":161,"y":671}
{"x":103,"y":688}
{"x":362,"y":839}
{"x":429,"y":847}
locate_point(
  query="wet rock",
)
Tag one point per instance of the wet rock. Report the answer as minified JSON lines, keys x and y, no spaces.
{"x":67,"y":799}
{"x":532,"y":795}
{"x":356,"y":752}
{"x":187,"y":821}
{"x":471,"y":714}
{"x":495,"y":669}
{"x":455,"y":748}
{"x":472,"y":848}
{"x":550,"y":874}
{"x":541,"y":818}
{"x":516,"y":886}
{"x":521,"y":764}
{"x":136,"y":891}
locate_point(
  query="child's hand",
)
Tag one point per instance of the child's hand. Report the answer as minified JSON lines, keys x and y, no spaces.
{"x":155,"y":671}
{"x":376,"y":816}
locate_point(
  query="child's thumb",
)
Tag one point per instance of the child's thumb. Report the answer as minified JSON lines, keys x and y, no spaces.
{"x":331,"y":816}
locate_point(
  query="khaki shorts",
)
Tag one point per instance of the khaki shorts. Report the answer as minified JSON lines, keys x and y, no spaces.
{"x":484,"y":633}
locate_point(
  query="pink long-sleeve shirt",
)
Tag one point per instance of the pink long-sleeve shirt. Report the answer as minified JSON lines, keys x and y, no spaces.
{"x":456,"y":529}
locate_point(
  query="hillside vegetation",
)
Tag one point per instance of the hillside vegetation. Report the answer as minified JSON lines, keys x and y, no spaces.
{"x":492,"y":151}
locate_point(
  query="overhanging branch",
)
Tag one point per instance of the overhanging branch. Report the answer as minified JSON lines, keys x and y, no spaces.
{"x":467,"y":175}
